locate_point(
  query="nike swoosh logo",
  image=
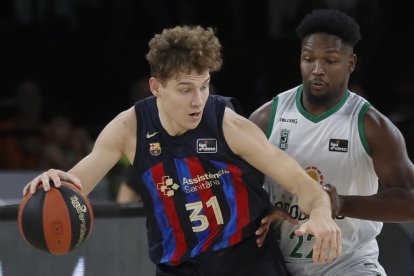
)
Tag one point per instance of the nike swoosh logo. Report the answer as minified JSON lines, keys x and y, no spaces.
{"x":149,"y":135}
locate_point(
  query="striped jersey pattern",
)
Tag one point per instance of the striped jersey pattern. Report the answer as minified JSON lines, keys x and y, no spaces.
{"x":198,"y":195}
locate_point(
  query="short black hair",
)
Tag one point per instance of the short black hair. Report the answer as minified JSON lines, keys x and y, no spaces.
{"x":332,"y":22}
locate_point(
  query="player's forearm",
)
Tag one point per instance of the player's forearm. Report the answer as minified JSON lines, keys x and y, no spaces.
{"x":311,"y":198}
{"x":390,"y":205}
{"x":297,"y":181}
{"x":91,"y":169}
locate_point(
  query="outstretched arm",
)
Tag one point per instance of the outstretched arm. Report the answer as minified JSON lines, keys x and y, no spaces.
{"x":248,"y":141}
{"x":393,"y":203}
{"x":117,"y":138}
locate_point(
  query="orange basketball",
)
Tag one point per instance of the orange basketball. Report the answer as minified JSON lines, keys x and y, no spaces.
{"x":56,"y":221}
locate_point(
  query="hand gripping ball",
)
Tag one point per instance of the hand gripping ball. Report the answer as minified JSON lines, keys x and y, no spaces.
{"x":56,"y":221}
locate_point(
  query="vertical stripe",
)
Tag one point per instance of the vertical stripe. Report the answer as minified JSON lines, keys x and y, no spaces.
{"x":197,"y":189}
{"x":242,"y":202}
{"x":185,"y":176}
{"x":57,"y":222}
{"x":237,"y":198}
{"x":272,"y":117}
{"x":361,"y":129}
{"x":226,"y":181}
{"x":174,"y":243}
{"x":205,"y":195}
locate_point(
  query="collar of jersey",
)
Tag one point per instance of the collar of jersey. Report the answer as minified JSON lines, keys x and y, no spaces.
{"x":322,"y":116}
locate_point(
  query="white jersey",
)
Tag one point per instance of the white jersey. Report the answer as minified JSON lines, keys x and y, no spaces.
{"x":332,"y":148}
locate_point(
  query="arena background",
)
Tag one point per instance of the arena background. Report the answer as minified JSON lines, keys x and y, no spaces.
{"x":85,"y":56}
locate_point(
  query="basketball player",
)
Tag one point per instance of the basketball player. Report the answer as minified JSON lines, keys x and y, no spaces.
{"x":339,"y":138}
{"x":199,"y":163}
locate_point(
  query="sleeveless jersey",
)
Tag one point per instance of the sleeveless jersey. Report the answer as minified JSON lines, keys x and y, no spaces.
{"x":332,"y":148}
{"x":198,"y":195}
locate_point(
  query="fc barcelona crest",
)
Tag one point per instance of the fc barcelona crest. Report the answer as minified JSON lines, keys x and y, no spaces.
{"x":155,"y":149}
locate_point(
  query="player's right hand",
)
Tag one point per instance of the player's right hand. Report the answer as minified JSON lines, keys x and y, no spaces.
{"x":45,"y":179}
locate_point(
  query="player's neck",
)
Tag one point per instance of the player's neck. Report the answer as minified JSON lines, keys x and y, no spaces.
{"x":172,"y":128}
{"x":318,"y":105}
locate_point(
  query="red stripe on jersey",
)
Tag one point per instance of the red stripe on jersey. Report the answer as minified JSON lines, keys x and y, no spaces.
{"x":158,"y":175}
{"x":196,"y":169}
{"x":243,"y":212}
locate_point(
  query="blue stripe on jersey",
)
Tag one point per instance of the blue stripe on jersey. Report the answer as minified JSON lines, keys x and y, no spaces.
{"x":230,"y":194}
{"x":169,"y":244}
{"x":184,"y":172}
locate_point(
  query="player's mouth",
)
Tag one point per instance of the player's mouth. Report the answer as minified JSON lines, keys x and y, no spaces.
{"x":318,"y":83}
{"x":195,"y":115}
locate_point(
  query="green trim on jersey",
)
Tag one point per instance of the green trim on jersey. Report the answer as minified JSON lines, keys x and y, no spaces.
{"x":271,"y":121}
{"x":361,"y":129}
{"x":322,"y":116}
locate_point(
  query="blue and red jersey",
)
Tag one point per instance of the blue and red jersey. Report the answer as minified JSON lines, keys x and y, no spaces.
{"x":198,"y":195}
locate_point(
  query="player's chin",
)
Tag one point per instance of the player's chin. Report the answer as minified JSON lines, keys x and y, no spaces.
{"x":193,"y":125}
{"x":194,"y":121}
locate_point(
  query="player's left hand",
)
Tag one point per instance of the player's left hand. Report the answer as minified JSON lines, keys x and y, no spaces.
{"x":276,"y":214}
{"x":327,"y":244}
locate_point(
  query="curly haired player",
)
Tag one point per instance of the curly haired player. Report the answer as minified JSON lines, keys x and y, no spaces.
{"x":201,"y":166}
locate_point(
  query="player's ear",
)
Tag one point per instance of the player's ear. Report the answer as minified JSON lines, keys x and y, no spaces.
{"x":352,"y":63}
{"x":154,"y":86}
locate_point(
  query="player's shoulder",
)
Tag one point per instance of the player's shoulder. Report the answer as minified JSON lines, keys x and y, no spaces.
{"x":266,"y":108}
{"x":374,"y":117}
{"x":124,"y":122}
{"x":126,"y":115}
{"x":262,"y":114}
{"x":379,"y":127}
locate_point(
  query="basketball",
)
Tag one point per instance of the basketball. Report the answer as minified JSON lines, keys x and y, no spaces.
{"x":56,"y":221}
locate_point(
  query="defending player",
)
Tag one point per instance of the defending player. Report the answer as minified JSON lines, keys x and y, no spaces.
{"x":339,"y":138}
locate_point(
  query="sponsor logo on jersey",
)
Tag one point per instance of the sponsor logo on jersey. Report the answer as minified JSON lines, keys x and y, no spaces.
{"x":295,"y":212}
{"x":202,"y":182}
{"x":289,"y":202}
{"x":284,"y":137}
{"x":315,"y":173}
{"x":167,"y":186}
{"x":207,"y":145}
{"x":338,"y":145}
{"x":286,"y":120}
{"x":155,"y":149}
{"x":190,"y":185}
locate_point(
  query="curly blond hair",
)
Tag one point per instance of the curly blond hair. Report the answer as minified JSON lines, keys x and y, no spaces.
{"x":183,"y":49}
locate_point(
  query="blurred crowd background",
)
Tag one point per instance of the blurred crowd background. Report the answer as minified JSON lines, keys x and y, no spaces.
{"x":67,"y":67}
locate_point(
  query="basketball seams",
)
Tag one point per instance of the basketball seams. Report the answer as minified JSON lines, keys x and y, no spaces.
{"x":78,"y":211}
{"x":55,"y":221}
{"x":68,"y":193}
